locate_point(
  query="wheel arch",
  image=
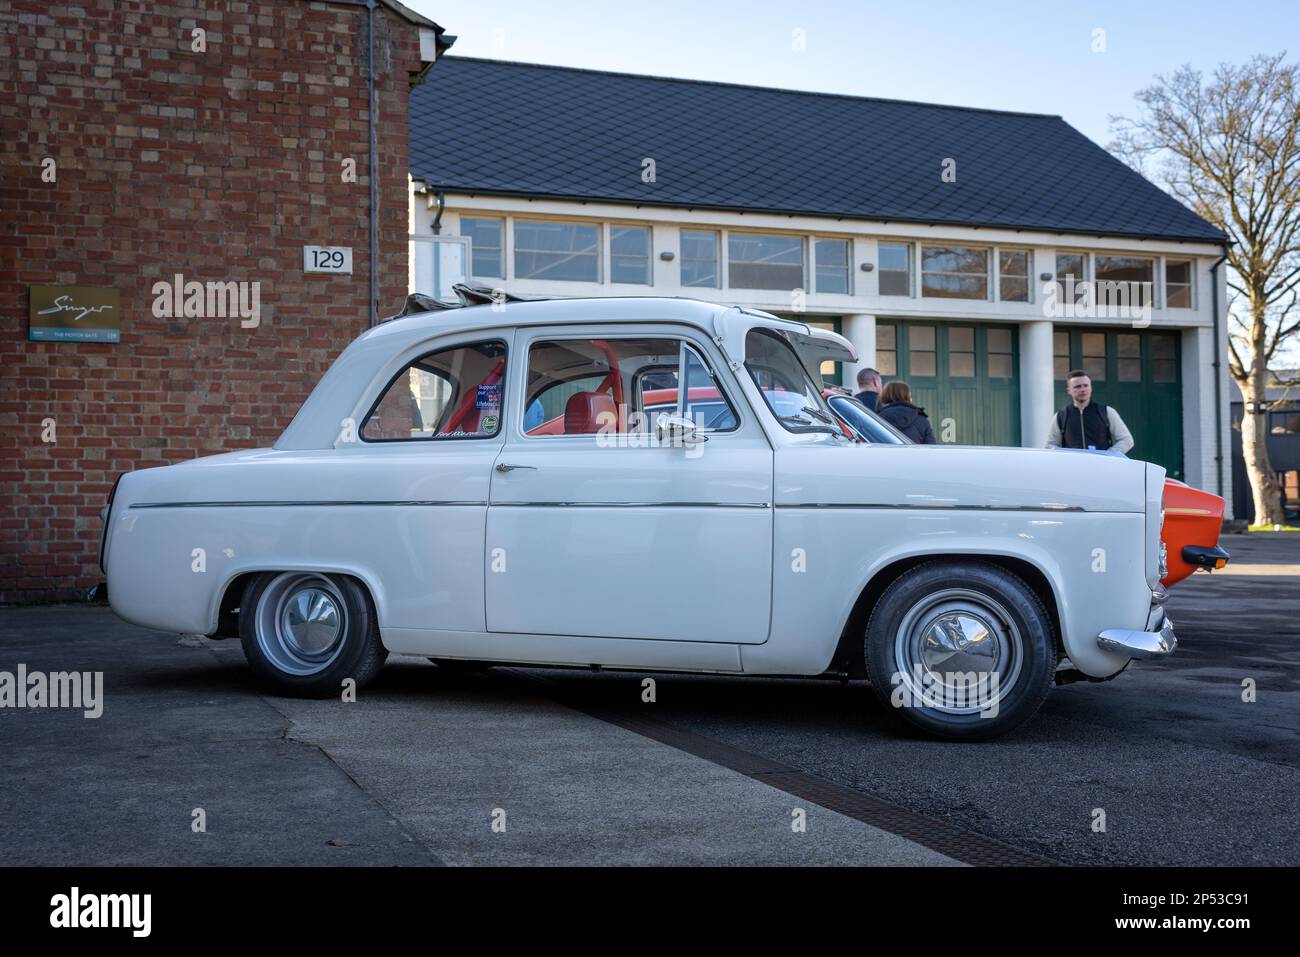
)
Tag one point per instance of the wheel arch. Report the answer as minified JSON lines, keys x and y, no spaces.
{"x":226,"y":619}
{"x":848,"y":657}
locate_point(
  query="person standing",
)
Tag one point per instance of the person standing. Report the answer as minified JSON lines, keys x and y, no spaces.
{"x":868,"y":388}
{"x":1084,"y":424}
{"x":897,"y":409}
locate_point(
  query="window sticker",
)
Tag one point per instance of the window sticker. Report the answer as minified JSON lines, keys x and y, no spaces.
{"x":488,"y":397}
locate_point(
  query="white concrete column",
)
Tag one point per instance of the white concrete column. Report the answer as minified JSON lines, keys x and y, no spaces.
{"x":861,"y":331}
{"x":1036,"y":400}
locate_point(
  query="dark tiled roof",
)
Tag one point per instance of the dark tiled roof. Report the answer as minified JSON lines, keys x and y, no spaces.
{"x":521,"y":129}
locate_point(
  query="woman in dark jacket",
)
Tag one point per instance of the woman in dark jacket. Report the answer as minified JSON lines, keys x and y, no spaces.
{"x":895,"y":407}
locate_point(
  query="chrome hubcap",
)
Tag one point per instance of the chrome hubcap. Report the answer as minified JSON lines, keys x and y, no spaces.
{"x":959,"y":651}
{"x":301,"y":623}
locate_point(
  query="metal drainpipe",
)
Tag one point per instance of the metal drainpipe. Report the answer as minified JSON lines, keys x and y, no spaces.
{"x":374,"y":173}
{"x":1218,"y":375}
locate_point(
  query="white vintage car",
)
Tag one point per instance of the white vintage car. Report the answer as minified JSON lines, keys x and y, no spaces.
{"x":651,"y":484}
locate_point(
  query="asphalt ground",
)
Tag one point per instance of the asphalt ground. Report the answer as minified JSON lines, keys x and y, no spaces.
{"x":550,"y":766}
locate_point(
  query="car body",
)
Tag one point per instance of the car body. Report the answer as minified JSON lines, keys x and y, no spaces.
{"x":408,"y":509}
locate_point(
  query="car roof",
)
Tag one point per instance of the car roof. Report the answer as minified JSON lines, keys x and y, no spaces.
{"x":317,"y":423}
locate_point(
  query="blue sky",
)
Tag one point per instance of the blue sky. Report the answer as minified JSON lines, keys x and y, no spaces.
{"x":1003,"y":54}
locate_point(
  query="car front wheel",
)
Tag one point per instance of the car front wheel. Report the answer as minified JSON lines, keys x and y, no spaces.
{"x":961,"y":649}
{"x":305,"y":633}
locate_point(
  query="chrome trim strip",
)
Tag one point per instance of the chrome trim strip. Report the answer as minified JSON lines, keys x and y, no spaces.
{"x":452,"y":503}
{"x":963,"y":508}
{"x":290,"y":504}
{"x":630,"y":505}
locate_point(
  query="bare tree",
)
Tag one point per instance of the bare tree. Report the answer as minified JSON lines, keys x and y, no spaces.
{"x":1229,"y":148}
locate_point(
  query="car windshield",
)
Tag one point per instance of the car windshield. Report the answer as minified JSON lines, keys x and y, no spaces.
{"x":786,"y":386}
{"x":869,"y":426}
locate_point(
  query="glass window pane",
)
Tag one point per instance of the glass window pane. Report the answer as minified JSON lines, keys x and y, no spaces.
{"x":894,"y":256}
{"x":961,"y":363}
{"x":1123,"y":280}
{"x":1162,"y":347}
{"x":454,"y":393}
{"x":921,"y":363}
{"x":833,"y":266}
{"x":999,"y":340}
{"x":886,"y":362}
{"x":920,"y":337}
{"x":566,"y":251}
{"x":629,"y":254}
{"x":1060,"y":367}
{"x":764,"y":262}
{"x":885,"y":336}
{"x":1013,"y":290}
{"x":954,"y":272}
{"x":785,"y":383}
{"x":961,"y":339}
{"x":1162,"y":370}
{"x":1014,"y":262}
{"x":1178,"y":284}
{"x":1000,"y":367}
{"x":700,"y":258}
{"x":485,"y":245}
{"x":1070,"y":268}
{"x":895,"y":269}
{"x":1094,"y":344}
{"x":1061,"y":344}
{"x":570,"y":384}
{"x":1130,"y":370}
{"x":1128,"y":346}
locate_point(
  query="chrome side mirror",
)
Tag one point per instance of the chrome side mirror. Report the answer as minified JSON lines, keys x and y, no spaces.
{"x":678,"y":430}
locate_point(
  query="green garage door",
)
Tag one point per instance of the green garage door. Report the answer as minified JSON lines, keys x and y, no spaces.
{"x":965,"y":376}
{"x":1138,"y":372}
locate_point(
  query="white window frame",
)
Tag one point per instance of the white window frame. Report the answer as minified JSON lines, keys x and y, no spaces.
{"x":803,"y":256}
{"x":602,"y":247}
{"x":913,"y":270}
{"x":721,"y":247}
{"x":608,"y":250}
{"x":1191,"y":281}
{"x":1157,"y":271}
{"x":997,"y":274}
{"x":505,"y":228}
{"x":813,"y":240}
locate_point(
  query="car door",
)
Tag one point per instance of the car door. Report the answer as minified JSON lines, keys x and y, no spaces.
{"x":430,"y":441}
{"x":598,"y":528}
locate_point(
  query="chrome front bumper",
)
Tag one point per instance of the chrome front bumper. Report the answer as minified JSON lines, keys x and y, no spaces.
{"x":1158,"y":641}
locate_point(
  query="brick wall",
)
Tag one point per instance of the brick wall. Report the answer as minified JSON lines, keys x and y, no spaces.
{"x":218,"y":165}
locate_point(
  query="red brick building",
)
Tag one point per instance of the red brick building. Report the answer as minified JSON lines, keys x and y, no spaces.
{"x":207,"y":139}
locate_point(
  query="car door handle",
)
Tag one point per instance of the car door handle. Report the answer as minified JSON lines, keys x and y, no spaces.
{"x":505,"y":467}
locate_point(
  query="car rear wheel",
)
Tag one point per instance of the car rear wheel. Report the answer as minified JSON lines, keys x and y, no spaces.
{"x":305,"y":632}
{"x":962,"y":650}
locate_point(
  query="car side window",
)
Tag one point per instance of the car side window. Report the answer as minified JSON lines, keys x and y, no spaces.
{"x":619,"y":385}
{"x":454,"y":393}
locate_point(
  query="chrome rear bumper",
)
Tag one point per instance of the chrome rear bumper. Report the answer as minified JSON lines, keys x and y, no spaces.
{"x":1158,"y":641}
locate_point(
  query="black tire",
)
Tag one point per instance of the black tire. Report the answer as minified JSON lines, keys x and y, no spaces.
{"x":294,"y":665}
{"x":957,"y":613}
{"x":462,"y":666}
